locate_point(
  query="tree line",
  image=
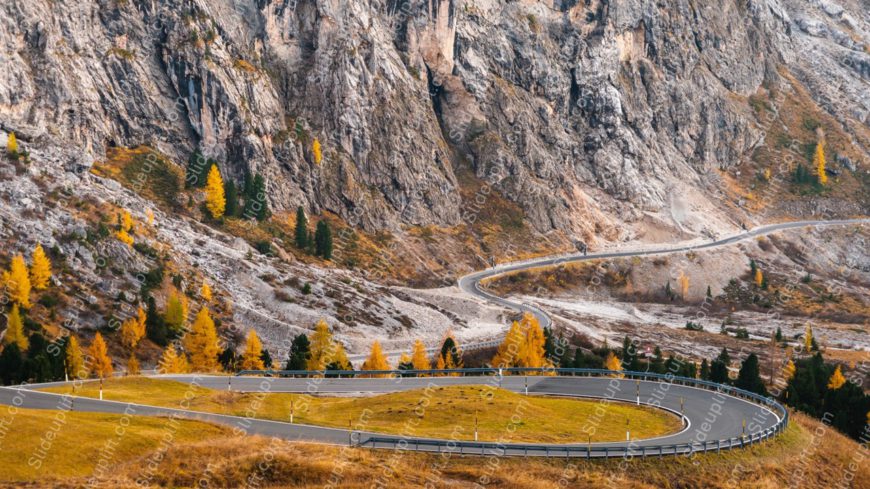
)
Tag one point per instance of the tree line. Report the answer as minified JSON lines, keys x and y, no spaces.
{"x":222,"y":196}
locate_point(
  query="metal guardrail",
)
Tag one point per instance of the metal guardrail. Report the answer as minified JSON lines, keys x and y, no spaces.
{"x":567,"y":451}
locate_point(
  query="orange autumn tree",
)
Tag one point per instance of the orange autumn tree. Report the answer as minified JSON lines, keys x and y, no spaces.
{"x":12,"y":145}
{"x":318,"y":153}
{"x":15,"y":330}
{"x":177,"y":308}
{"x":837,"y":380}
{"x":419,"y":359}
{"x":133,"y":330}
{"x":201,"y":342}
{"x":759,"y":277}
{"x":450,"y":356}
{"x":173,"y":363}
{"x":205,"y":292}
{"x":613,"y":363}
{"x":789,"y":370}
{"x":684,"y":285}
{"x":40,"y":269}
{"x":523,"y":345}
{"x":16,"y":282}
{"x":376,"y":360}
{"x":819,"y":160}
{"x":101,"y":364}
{"x":75,"y":360}
{"x":133,"y":366}
{"x":324,"y":350}
{"x":252,"y":357}
{"x":215,"y":199}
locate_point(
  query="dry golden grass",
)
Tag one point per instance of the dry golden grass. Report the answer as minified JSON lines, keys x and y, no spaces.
{"x":146,"y":172}
{"x":566,"y":276}
{"x":796,"y":120}
{"x":804,"y":456}
{"x":56,"y":445}
{"x":440,"y":412}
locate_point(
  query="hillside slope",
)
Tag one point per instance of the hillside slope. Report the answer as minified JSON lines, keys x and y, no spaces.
{"x":586,"y":114}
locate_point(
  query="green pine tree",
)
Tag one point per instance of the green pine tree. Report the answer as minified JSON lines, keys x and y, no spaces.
{"x":658,"y":362}
{"x":266,"y":357}
{"x":300,"y":352}
{"x":705,"y":370}
{"x":719,"y":368}
{"x":232,"y":196}
{"x":261,"y":199}
{"x":301,"y":229}
{"x":11,"y":363}
{"x":449,"y":348}
{"x":749,"y":377}
{"x":155,"y":327}
{"x":323,"y":240}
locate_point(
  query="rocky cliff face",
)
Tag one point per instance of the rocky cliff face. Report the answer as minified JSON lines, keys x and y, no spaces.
{"x":586,"y":113}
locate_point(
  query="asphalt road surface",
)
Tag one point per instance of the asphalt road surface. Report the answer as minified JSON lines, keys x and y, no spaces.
{"x":707,"y":415}
{"x":470,"y":284}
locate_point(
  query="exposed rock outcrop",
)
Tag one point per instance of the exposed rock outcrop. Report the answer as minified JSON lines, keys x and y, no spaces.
{"x":584,"y":113}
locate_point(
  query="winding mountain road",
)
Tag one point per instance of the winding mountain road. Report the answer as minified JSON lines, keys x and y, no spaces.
{"x":470,"y":283}
{"x":713,"y":418}
{"x":706,"y":414}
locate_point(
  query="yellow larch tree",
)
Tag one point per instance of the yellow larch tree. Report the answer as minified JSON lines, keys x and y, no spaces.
{"x":177,"y":309}
{"x":133,"y":366}
{"x":376,"y":360}
{"x":251,"y":358}
{"x":339,"y":357}
{"x":12,"y":144}
{"x":75,"y":360}
{"x":404,"y":359}
{"x":323,"y":348}
{"x":532,"y":353}
{"x":450,"y":357}
{"x":141,"y":320}
{"x":215,"y":200}
{"x":101,"y":364}
{"x":149,"y":215}
{"x":684,"y":285}
{"x":133,"y":330}
{"x":17,"y":282}
{"x":759,"y":277}
{"x":124,"y":237}
{"x":508,"y":352}
{"x":819,"y":160}
{"x":808,"y":338}
{"x":318,"y":153}
{"x":173,"y":363}
{"x":789,"y":370}
{"x":837,"y":380}
{"x":419,"y":359}
{"x":523,"y":345}
{"x":40,"y":268}
{"x":15,"y":330}
{"x":205,"y":292}
{"x":202,"y":344}
{"x":126,"y":220}
{"x":613,"y":363}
